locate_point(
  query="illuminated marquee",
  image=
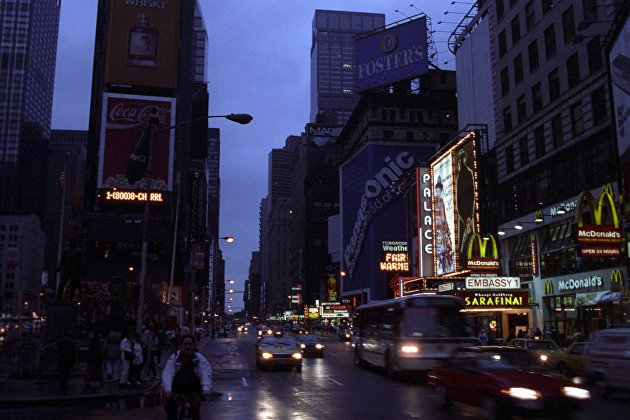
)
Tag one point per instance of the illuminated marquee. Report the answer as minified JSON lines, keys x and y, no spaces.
{"x":129,"y":196}
{"x":598,"y":240}
{"x":395,"y":262}
{"x":495,"y":299}
{"x":483,"y":264}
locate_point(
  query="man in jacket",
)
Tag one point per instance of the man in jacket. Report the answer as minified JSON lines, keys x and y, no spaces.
{"x":186,"y":372}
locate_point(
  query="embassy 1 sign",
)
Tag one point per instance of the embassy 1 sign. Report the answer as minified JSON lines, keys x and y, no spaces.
{"x":483,"y":265}
{"x":598,"y":240}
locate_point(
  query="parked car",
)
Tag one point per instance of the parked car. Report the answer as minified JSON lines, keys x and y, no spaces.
{"x":503,"y":381}
{"x":311,"y":345}
{"x":608,"y":361}
{"x":278,"y":351}
{"x":571,"y":362}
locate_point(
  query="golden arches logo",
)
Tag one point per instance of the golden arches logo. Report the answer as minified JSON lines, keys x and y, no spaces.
{"x":596,"y":212}
{"x":616,"y":278}
{"x":482,"y":246}
{"x":539,"y":217}
{"x":548,"y":287}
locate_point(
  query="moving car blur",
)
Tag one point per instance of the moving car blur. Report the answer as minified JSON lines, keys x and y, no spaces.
{"x":570,"y":362}
{"x":505,"y":381}
{"x":345,"y":334}
{"x":541,"y":347}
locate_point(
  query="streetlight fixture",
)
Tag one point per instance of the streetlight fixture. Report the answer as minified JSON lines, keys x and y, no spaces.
{"x":228,"y":239}
{"x":149,"y":131}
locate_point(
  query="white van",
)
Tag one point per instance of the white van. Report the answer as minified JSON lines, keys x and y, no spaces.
{"x":608,"y":360}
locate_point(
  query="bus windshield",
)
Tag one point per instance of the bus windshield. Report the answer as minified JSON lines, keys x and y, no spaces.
{"x":435,"y":321}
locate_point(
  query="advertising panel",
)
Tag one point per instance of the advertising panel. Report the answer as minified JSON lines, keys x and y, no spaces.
{"x":142,"y":43}
{"x":392,"y":55}
{"x":455,"y":204}
{"x":493,"y":299}
{"x":123,"y":119}
{"x":323,"y":134}
{"x":619,"y":59}
{"x":374,"y":211}
{"x":425,"y":221}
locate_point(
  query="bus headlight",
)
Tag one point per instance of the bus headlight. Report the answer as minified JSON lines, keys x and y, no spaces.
{"x":410,"y":349}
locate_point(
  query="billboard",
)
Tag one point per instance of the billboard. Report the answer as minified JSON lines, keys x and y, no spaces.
{"x":123,"y":120}
{"x":374,"y":184}
{"x":392,"y":55}
{"x":425,"y":222}
{"x":323,"y":134}
{"x":455,"y":205}
{"x":142,"y":43}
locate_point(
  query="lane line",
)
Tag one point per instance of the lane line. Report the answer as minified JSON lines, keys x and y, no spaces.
{"x":337,"y":382}
{"x":244,"y":381}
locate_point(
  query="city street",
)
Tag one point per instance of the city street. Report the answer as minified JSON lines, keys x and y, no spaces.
{"x":327,"y":388}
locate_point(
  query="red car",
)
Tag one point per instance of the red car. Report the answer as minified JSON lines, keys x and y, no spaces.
{"x":505,"y":381}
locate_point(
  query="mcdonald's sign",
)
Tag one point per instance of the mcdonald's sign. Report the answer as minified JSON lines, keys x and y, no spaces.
{"x":597,"y":233}
{"x":539,"y":217}
{"x":548,"y":287}
{"x":617,"y":284}
{"x":483,"y":263}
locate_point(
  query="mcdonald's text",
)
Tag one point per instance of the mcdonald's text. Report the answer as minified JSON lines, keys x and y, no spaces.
{"x":591,"y":234}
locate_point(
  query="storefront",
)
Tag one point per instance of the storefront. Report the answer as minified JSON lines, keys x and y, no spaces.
{"x":585,"y":302}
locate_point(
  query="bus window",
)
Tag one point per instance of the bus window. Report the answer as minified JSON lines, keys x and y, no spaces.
{"x":436,"y":321}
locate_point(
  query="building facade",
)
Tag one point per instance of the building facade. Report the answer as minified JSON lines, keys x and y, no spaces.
{"x":332,"y":61}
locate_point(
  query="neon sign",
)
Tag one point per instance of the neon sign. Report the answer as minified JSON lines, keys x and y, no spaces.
{"x":140,"y":196}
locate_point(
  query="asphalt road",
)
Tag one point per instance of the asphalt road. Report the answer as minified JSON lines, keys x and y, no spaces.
{"x":327,"y":388}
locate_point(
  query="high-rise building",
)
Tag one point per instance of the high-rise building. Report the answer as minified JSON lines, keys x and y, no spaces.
{"x":28,"y":47}
{"x":332,"y":61}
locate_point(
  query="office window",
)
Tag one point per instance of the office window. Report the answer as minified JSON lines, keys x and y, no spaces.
{"x":502,"y":44}
{"x":550,"y":41}
{"x":505,"y":82}
{"x":539,"y":139}
{"x":577,"y":119}
{"x":573,"y":70}
{"x":598,"y":102}
{"x":518,"y":69}
{"x":532,"y":51}
{"x":589,"y":8}
{"x":556,"y":130}
{"x":509,"y":159}
{"x":568,"y":25}
{"x":537,"y":101}
{"x":507,"y":119}
{"x":516,"y":30}
{"x":521,"y":109}
{"x":500,"y":9}
{"x":594,"y":51}
{"x":524,"y":151}
{"x":554,"y":85}
{"x":546,"y":5}
{"x":530,"y":15}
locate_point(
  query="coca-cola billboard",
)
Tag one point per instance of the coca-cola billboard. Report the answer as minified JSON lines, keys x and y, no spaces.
{"x":123,"y":120}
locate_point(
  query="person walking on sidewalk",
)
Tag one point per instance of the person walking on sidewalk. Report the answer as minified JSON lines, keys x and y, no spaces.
{"x":136,"y":362}
{"x":66,"y":356}
{"x":112,"y":348}
{"x":186,"y":372}
{"x":149,"y":345}
{"x":94,"y":369}
{"x":126,"y":356}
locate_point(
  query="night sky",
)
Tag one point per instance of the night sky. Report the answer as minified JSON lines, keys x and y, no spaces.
{"x":258,"y":63}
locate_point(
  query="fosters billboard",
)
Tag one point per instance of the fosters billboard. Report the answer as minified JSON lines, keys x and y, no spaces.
{"x":455,"y":205}
{"x":124,"y":117}
{"x":391,"y":55}
{"x":142,"y":43}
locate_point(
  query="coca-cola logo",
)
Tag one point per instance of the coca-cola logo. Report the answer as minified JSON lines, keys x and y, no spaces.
{"x":136,"y":114}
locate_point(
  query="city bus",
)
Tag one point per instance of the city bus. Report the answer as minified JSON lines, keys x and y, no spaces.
{"x":410,"y":334}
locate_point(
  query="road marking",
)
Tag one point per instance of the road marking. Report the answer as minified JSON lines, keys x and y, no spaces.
{"x":244,"y":381}
{"x":337,"y":382}
{"x":333,"y":354}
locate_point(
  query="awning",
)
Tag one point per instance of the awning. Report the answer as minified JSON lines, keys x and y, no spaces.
{"x":596,"y":298}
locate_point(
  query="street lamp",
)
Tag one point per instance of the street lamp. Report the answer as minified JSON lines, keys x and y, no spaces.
{"x":228,"y":239}
{"x":138,"y":161}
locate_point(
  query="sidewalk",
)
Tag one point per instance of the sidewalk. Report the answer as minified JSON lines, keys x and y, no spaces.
{"x":46,"y":392}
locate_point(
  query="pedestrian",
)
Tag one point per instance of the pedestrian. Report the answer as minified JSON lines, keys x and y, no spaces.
{"x":112,"y":348}
{"x":94,"y":368}
{"x":150,"y":358}
{"x":126,"y":356}
{"x":511,"y":336}
{"x":483,"y":338}
{"x":136,"y":362}
{"x":66,"y":357}
{"x":538,"y":333}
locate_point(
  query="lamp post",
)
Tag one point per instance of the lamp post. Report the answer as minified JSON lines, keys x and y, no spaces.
{"x":149,"y":131}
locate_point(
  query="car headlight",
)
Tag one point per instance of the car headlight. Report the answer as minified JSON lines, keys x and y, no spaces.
{"x":267,"y":355}
{"x":544,"y":357}
{"x":347,"y":335}
{"x":522,"y":393}
{"x":303,"y":346}
{"x":297,"y":355}
{"x":410,"y":349}
{"x":269,"y":332}
{"x":319,"y":346}
{"x":577,"y":393}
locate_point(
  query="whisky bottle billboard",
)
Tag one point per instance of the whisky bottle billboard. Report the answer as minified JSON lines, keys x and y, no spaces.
{"x":143,"y":43}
